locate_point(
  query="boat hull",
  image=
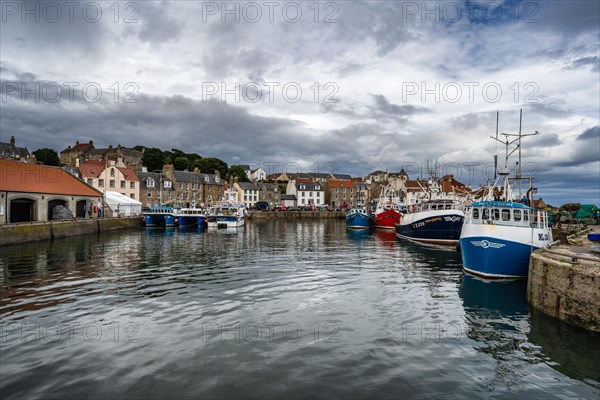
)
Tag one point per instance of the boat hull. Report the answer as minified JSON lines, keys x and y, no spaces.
{"x":225,"y":222}
{"x":358,"y":221}
{"x":387,"y":219}
{"x":500,"y":252}
{"x":157,"y":219}
{"x":191,"y":220}
{"x":441,"y":227}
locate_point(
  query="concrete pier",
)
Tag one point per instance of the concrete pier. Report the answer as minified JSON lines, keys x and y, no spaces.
{"x":34,"y":231}
{"x":564,"y":281}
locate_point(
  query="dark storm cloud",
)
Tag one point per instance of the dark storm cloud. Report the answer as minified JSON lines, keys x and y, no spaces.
{"x":383,"y":106}
{"x":585,"y":151}
{"x":590,"y":134}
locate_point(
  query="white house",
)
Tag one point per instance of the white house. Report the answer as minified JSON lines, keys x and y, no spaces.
{"x":257,"y":174}
{"x":306,"y":193}
{"x":247,"y":192}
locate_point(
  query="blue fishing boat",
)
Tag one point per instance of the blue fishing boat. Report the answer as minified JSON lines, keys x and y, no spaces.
{"x":191,"y":217}
{"x":358,"y":219}
{"x":500,"y":233}
{"x":159,"y":216}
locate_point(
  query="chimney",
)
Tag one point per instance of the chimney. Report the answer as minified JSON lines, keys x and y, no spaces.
{"x":77,"y":162}
{"x":91,"y":143}
{"x":12,"y":140}
{"x":217,"y":174}
{"x":196,"y":170}
{"x":76,"y":142}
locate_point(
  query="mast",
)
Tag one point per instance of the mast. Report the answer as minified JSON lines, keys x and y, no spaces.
{"x":519,"y":146}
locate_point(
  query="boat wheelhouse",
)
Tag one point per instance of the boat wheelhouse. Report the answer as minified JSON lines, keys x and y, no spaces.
{"x":191,"y":217}
{"x":226,"y":216}
{"x":358,"y":219}
{"x":159,"y":216}
{"x":498,"y":238}
{"x":432,"y":222}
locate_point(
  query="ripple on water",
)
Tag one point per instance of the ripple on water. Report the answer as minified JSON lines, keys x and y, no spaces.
{"x":279,"y":309}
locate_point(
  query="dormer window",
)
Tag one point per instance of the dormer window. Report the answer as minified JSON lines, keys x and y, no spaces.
{"x":206,"y":178}
{"x":112,"y":172}
{"x":150,"y":182}
{"x":217,"y":179}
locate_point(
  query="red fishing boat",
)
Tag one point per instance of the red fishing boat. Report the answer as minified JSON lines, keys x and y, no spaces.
{"x":387,"y":213}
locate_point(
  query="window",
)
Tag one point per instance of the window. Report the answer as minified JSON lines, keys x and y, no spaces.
{"x":100,"y":182}
{"x":517,"y":215}
{"x":245,"y":198}
{"x":90,"y":181}
{"x":168,"y":184}
{"x":505,"y":215}
{"x":150,"y":182}
{"x":188,"y":186}
{"x":131,"y":185}
{"x":496,"y":214}
{"x":303,"y":194}
{"x":112,"y":183}
{"x":486,"y":213}
{"x":310,"y":194}
{"x":112,"y":172}
{"x":318,"y":194}
{"x":132,"y":196}
{"x":180,"y":185}
{"x":206,"y":178}
{"x":525,"y":215}
{"x":337,"y":190}
{"x":476,"y":213}
{"x":168,"y":195}
{"x":187,"y":195}
{"x":122,"y":184}
{"x":149,"y":193}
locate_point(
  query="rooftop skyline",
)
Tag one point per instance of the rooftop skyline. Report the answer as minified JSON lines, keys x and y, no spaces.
{"x":346,"y":87}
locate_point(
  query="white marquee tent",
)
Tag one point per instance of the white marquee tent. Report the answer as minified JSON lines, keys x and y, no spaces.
{"x":122,"y":205}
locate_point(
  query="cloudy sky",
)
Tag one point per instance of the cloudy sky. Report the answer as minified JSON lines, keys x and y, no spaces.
{"x":329,"y":86}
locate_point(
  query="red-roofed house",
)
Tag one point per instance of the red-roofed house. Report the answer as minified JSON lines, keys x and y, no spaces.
{"x":30,"y":192}
{"x":111,"y":176}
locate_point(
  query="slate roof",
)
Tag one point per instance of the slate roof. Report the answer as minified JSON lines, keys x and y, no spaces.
{"x":247,"y":186}
{"x":10,"y":150}
{"x":309,"y":187}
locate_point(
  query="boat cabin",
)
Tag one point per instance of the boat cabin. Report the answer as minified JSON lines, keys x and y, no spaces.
{"x":506,"y":214}
{"x":435,"y":205}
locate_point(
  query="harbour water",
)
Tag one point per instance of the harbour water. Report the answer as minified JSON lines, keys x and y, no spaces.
{"x":276,"y":309}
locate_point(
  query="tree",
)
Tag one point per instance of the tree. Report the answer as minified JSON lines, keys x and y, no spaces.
{"x":210,"y":165}
{"x":47,"y":156}
{"x":153,"y":159}
{"x":181,"y":163}
{"x":237,"y":172}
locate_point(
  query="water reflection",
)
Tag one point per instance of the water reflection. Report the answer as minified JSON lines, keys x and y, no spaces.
{"x":573,"y":351}
{"x":496,"y":319}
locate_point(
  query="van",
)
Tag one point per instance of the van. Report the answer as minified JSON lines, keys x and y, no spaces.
{"x":262,"y":205}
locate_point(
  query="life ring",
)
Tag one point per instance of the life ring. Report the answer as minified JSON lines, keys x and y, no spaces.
{"x":95,"y":209}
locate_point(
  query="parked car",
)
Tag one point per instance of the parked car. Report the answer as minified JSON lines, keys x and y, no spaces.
{"x":309,"y":207}
{"x":281,"y":207}
{"x":262,"y":205}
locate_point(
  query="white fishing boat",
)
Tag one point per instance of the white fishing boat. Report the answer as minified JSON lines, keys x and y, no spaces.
{"x":502,"y":230}
{"x":226,"y":215}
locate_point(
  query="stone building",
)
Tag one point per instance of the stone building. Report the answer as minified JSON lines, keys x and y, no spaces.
{"x":11,"y":151}
{"x":341,"y":193}
{"x":82,"y":152}
{"x":270,"y":193}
